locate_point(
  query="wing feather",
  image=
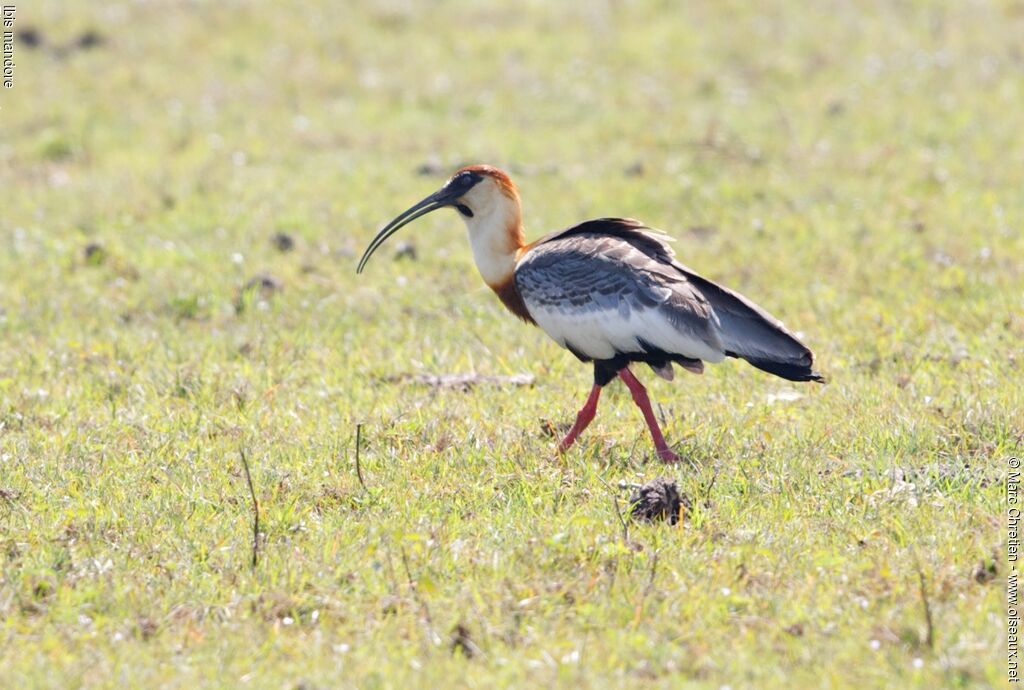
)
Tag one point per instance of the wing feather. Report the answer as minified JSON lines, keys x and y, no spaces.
{"x":601,"y":295}
{"x":613,"y":285}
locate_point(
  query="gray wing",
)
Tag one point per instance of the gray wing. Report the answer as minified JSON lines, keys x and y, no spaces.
{"x":600,"y":264}
{"x":600,"y":296}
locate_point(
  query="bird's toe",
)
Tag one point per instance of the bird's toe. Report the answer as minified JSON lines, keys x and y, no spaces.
{"x":668,"y":457}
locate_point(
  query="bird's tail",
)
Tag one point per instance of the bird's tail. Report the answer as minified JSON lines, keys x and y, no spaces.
{"x":752,"y":334}
{"x":785,"y":369}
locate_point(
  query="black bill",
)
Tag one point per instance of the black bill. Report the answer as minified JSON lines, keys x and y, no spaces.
{"x":439,"y":199}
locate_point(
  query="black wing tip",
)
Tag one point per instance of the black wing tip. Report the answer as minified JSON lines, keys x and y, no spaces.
{"x":790,"y":372}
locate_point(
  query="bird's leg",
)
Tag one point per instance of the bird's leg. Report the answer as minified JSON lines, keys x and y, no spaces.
{"x":583,"y":419}
{"x":644,"y":403}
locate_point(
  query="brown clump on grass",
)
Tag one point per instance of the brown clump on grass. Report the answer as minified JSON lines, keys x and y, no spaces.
{"x":462,"y":642}
{"x":658,"y":499}
{"x":266,"y":283}
{"x":283,"y":242}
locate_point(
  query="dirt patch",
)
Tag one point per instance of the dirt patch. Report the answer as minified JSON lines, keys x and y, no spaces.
{"x":554,"y":429}
{"x":94,"y":254}
{"x":87,"y":40}
{"x":430,"y":168}
{"x":283,"y":242}
{"x":462,"y":642}
{"x":30,"y":37}
{"x":262,"y":287}
{"x":985,"y":571}
{"x":90,"y":39}
{"x":658,"y":499}
{"x":265,"y":283}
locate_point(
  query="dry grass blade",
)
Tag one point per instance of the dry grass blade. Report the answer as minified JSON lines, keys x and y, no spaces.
{"x":462,"y":382}
{"x":359,"y":469}
{"x":255,"y":511}
{"x":416,"y":593}
{"x":929,"y":639}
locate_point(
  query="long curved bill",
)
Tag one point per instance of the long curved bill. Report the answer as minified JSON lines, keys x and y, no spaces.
{"x":438,"y":199}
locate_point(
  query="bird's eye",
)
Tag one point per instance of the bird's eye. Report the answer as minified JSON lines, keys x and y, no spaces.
{"x":465,"y":180}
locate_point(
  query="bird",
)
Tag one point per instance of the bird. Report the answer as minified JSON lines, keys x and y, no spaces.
{"x":611,"y":292}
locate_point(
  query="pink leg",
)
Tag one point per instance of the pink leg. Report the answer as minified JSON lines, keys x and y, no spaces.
{"x":644,"y":403}
{"x":583,"y":419}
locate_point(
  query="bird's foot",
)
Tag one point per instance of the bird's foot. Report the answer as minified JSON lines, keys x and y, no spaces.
{"x":570,"y":438}
{"x":668,"y":457}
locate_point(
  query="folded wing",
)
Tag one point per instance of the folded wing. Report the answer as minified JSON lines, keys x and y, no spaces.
{"x":611,"y":288}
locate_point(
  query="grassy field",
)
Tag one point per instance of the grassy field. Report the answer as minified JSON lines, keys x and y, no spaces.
{"x":855,"y":167}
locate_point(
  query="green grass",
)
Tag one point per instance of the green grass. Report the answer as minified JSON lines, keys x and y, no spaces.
{"x":856,"y":168}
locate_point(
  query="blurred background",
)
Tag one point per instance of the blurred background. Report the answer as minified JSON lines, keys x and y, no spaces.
{"x":847,"y":137}
{"x":133,"y":118}
{"x":848,"y":163}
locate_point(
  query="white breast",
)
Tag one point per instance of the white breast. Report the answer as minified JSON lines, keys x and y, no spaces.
{"x":601,"y":334}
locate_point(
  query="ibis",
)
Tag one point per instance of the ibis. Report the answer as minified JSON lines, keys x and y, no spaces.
{"x":611,"y":292}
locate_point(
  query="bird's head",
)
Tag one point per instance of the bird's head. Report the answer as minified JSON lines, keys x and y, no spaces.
{"x":483,"y":195}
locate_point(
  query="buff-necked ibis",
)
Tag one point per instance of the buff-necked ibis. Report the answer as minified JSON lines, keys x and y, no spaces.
{"x":611,"y":292}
